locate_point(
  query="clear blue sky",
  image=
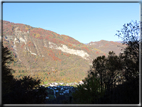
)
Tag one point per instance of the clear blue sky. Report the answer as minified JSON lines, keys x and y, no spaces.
{"x":85,"y":22}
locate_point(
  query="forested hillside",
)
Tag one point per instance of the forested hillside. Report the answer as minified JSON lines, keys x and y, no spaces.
{"x":51,"y":56}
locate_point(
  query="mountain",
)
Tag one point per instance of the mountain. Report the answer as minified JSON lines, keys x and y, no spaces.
{"x":104,"y":46}
{"x":49,"y":55}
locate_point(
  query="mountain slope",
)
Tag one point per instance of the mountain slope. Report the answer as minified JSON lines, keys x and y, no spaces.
{"x":104,"y":46}
{"x":59,"y":56}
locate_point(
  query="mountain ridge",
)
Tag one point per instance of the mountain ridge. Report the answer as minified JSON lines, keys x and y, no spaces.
{"x":37,"y":48}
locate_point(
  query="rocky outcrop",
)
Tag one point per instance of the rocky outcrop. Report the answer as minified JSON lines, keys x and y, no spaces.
{"x":64,"y":48}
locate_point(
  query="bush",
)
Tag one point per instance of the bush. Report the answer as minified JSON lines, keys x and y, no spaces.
{"x":89,"y":92}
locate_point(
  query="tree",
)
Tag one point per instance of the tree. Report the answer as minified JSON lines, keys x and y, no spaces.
{"x":22,"y":91}
{"x":113,"y":70}
{"x":102,"y":76}
{"x":130,"y":58}
{"x":26,"y":91}
{"x":7,"y":76}
{"x":107,"y":71}
{"x":128,"y":92}
{"x":88,"y":92}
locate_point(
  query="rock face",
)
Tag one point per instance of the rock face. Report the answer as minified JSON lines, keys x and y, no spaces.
{"x":36,"y":48}
{"x":64,"y":48}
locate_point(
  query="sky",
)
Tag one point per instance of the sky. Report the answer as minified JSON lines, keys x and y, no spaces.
{"x":84,"y":22}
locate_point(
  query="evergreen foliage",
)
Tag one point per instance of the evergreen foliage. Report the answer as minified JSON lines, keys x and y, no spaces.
{"x":22,"y":91}
{"x":7,"y":76}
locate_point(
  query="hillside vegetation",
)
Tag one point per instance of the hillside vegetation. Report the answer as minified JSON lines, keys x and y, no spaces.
{"x":50,"y":56}
{"x":111,"y":79}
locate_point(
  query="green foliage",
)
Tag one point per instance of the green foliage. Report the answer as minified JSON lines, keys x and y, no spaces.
{"x":62,"y":73}
{"x":22,"y":71}
{"x":88,"y":92}
{"x":19,"y":65}
{"x":45,"y":82}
